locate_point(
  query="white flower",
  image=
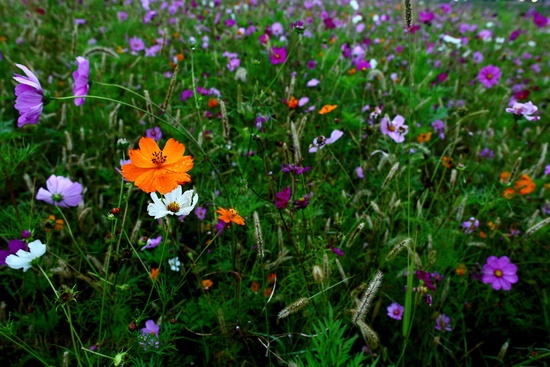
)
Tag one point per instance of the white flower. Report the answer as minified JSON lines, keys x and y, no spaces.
{"x":23,"y":259}
{"x":373,"y":63}
{"x":174,"y":263}
{"x":174,"y":203}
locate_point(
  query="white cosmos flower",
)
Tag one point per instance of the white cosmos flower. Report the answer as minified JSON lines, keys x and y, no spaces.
{"x":173,"y":203}
{"x":23,"y":259}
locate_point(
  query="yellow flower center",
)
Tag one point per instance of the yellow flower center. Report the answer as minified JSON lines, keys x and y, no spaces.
{"x":498,"y":273}
{"x":489,"y":76}
{"x":158,"y":158}
{"x":173,"y":207}
{"x":391,"y":127}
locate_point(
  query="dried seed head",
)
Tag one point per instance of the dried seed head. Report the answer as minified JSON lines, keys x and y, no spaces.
{"x":397,"y":248}
{"x":367,"y":297}
{"x":370,"y":334}
{"x":258,"y":235}
{"x":353,"y":235}
{"x":391,"y":174}
{"x":409,"y":13}
{"x":460,"y":209}
{"x":537,"y":226}
{"x":293,"y":307}
{"x":318,"y":276}
{"x":326,"y":267}
{"x":225,"y":120}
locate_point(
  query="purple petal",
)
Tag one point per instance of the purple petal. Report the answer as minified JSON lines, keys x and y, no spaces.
{"x":44,"y":196}
{"x":336,"y":134}
{"x":31,"y":79}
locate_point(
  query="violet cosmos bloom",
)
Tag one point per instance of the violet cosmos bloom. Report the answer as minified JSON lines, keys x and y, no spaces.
{"x":200,"y":212}
{"x":152,"y":243}
{"x":470,"y":225}
{"x":282,"y":198}
{"x":443,"y":323}
{"x":14,"y":246}
{"x":489,"y":76}
{"x":277,"y":55}
{"x":81,"y":80}
{"x":395,"y":129}
{"x":61,"y":192}
{"x":395,"y":311}
{"x":150,"y":334}
{"x":136,"y":44}
{"x":154,"y":133}
{"x":500,"y":272}
{"x":30,"y":97}
{"x":525,"y":110}
{"x":320,"y":141}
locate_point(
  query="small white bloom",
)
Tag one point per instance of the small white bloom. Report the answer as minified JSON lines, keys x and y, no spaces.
{"x":174,"y":263}
{"x":453,"y":40}
{"x":490,"y":25}
{"x":375,"y":18}
{"x":532,"y":43}
{"x":173,"y":203}
{"x":356,"y":19}
{"x":23,"y":259}
{"x":499,"y":40}
{"x":373,"y":63}
{"x":354,"y":4}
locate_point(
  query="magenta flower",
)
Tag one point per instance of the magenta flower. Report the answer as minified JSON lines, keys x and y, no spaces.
{"x":443,"y":323}
{"x":395,"y":311}
{"x":150,"y":334}
{"x":81,"y":80}
{"x":320,"y":141}
{"x":525,"y":110}
{"x":186,"y":94}
{"x":395,"y":129}
{"x":152,"y":243}
{"x":154,"y":133}
{"x":13,"y":247}
{"x":200,"y":212}
{"x":500,"y":272}
{"x":282,"y":198}
{"x":136,"y":44}
{"x":30,"y":97}
{"x":297,"y":170}
{"x":489,"y":76}
{"x":61,"y":192}
{"x":470,"y":225}
{"x":277,"y":55}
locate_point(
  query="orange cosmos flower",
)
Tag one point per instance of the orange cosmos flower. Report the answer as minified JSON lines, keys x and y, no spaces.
{"x":292,"y":103}
{"x":254,"y":287}
{"x":505,"y":177}
{"x":524,"y":185}
{"x":327,"y":108}
{"x":508,"y":193}
{"x":212,"y":102}
{"x":447,"y":162}
{"x":54,"y":223}
{"x":424,"y":137}
{"x":206,"y":284}
{"x":154,"y":273}
{"x":230,"y":215}
{"x":153,"y":169}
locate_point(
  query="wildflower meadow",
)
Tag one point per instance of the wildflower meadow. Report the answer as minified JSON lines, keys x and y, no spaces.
{"x":274,"y":183}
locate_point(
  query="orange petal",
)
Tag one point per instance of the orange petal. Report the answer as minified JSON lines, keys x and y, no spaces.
{"x":140,"y":159}
{"x":173,"y":150}
{"x":165,"y":183}
{"x":237,"y":219}
{"x":146,"y":181}
{"x":131,"y":172}
{"x":148,"y":146}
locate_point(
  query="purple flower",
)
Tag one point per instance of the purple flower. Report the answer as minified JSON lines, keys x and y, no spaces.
{"x":150,"y":334}
{"x":311,"y":64}
{"x":30,"y":97}
{"x":122,"y":16}
{"x":425,"y":16}
{"x":395,"y":129}
{"x":489,"y":76}
{"x":439,"y":127}
{"x":514,"y":35}
{"x":547,"y":169}
{"x":320,"y":141}
{"x":477,"y":57}
{"x":302,"y":202}
{"x":313,"y":83}
{"x":395,"y":311}
{"x":26,"y":234}
{"x":277,"y":55}
{"x":500,"y":272}
{"x":152,"y":243}
{"x":539,"y":20}
{"x":337,"y":251}
{"x":282,"y":198}
{"x":81,"y":80}
{"x":200,"y":212}
{"x":186,"y":94}
{"x":525,"y":110}
{"x":297,"y":170}
{"x":426,"y":279}
{"x":470,"y":225}
{"x":61,"y":192}
{"x":359,"y":172}
{"x":14,"y":246}
{"x":443,"y":323}
{"x":136,"y":44}
{"x":486,"y":153}
{"x":154,"y":133}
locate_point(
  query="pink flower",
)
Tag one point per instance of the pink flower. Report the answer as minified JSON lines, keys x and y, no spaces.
{"x":282,"y":198}
{"x":489,"y":76}
{"x":320,"y":141}
{"x":500,"y":272}
{"x":61,"y":192}
{"x":395,"y":311}
{"x":395,"y":129}
{"x":136,"y":44}
{"x":150,"y":334}
{"x":277,"y":55}
{"x":525,"y":110}
{"x":30,"y":97}
{"x":81,"y":80}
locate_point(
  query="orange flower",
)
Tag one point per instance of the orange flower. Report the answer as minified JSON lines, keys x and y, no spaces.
{"x":352,"y":71}
{"x":230,"y":215}
{"x":268,"y":291}
{"x":212,"y":102}
{"x":508,"y":193}
{"x":54,"y":223}
{"x":154,"y":273}
{"x":271,"y":278}
{"x":524,"y":185}
{"x":424,"y":137}
{"x":447,"y":162}
{"x":206,"y":284}
{"x":155,"y":170}
{"x":460,"y":270}
{"x":180,"y":57}
{"x":254,"y":287}
{"x":292,"y":103}
{"x":505,"y":177}
{"x":327,"y":108}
